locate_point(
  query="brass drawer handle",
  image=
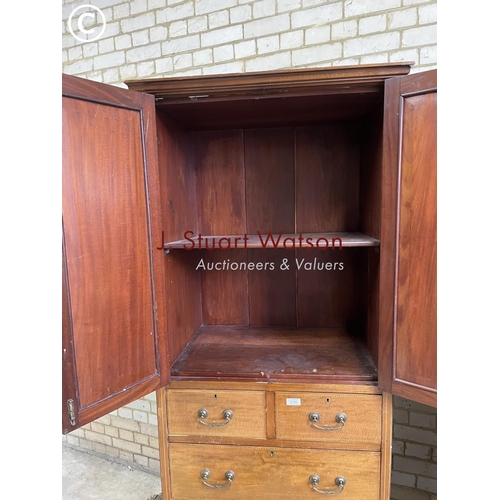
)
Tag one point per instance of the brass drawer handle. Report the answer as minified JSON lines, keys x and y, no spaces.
{"x":229,"y":476}
{"x":339,"y":481}
{"x":315,"y":417}
{"x":227,"y":415}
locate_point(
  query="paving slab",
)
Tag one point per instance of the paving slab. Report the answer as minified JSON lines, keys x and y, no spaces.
{"x":88,"y":477}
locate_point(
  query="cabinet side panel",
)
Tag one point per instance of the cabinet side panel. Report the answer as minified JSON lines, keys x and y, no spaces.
{"x":416,"y":313}
{"x":371,"y":174}
{"x":386,"y":452}
{"x":107,"y":248}
{"x":177,"y":179}
{"x":179,"y":214}
{"x":161,"y":399}
{"x":183,"y":292}
{"x":370,"y":207}
{"x":388,"y":243}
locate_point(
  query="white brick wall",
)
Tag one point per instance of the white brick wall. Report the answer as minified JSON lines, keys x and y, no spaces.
{"x":414,"y":467}
{"x":146,"y":38}
{"x":183,"y":37}
{"x":129,"y":434}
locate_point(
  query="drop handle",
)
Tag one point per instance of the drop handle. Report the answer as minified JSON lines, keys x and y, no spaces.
{"x":229,"y":477}
{"x":315,"y":417}
{"x":340,"y":481}
{"x":227,"y":415}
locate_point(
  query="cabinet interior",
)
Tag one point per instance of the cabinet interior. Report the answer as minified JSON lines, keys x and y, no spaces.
{"x":305,"y":165}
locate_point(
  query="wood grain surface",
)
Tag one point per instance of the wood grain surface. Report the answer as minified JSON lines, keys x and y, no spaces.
{"x":111,"y":217}
{"x":364,"y":415}
{"x":248,"y":407}
{"x":416,"y":359}
{"x":407,"y":329}
{"x":265,"y":472}
{"x":104,"y":207}
{"x":275,"y":353}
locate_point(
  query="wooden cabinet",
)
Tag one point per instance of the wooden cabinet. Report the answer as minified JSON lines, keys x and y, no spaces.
{"x":263,"y":472}
{"x":309,"y":416}
{"x":261,"y":249}
{"x":233,"y":414}
{"x":341,"y":433}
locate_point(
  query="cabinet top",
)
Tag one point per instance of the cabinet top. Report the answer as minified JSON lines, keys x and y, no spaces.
{"x":289,"y":82}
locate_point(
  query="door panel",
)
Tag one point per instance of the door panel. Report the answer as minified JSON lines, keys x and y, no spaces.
{"x":408,"y":350}
{"x":111,"y":221}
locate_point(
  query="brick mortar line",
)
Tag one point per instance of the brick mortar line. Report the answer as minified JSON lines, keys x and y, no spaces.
{"x":255,"y":39}
{"x":118,"y":21}
{"x":118,"y":460}
{"x":248,"y":58}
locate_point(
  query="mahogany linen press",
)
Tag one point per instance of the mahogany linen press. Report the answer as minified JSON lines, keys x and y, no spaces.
{"x":260,"y":249}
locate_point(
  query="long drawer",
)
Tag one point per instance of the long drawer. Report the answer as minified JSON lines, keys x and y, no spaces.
{"x":255,"y":472}
{"x":234,"y":414}
{"x":347,"y":418}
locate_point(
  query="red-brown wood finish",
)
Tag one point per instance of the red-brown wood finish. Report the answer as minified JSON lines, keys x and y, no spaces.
{"x":407,"y":356}
{"x":334,"y":298}
{"x":270,"y":188}
{"x":177,"y":182}
{"x":177,"y":178}
{"x":272,"y":111}
{"x":321,"y":153}
{"x":307,"y":81}
{"x":269,"y":193}
{"x":272,"y":293}
{"x":68,"y":363}
{"x":269,"y":180}
{"x":220,"y":174}
{"x":314,"y":163}
{"x":288,"y":241}
{"x":275,"y":353}
{"x":183,"y":290}
{"x":225,"y":292}
{"x":115,"y":296}
{"x":271,"y":98}
{"x":327,"y":178}
{"x":370,"y":189}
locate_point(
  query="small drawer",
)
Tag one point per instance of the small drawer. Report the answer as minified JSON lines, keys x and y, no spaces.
{"x":348,"y":418}
{"x":255,"y":472}
{"x":216,"y":413}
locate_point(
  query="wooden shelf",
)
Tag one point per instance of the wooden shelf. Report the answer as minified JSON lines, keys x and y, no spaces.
{"x":235,"y":352}
{"x":288,"y":241}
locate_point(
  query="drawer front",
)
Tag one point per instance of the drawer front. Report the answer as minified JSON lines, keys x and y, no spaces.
{"x":347,"y":418}
{"x":271,"y":473}
{"x":204,"y":412}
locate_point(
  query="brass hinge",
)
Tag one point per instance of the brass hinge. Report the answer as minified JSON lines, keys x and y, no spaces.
{"x":71,"y":411}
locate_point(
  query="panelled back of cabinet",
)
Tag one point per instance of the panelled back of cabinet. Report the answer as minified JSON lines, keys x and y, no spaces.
{"x":306,"y":179}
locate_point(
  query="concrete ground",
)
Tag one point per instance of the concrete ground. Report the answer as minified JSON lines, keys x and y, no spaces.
{"x":87,"y":477}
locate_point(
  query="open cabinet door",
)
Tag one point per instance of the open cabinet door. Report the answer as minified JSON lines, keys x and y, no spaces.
{"x":408,"y":345}
{"x":114,"y":331}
